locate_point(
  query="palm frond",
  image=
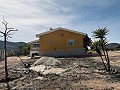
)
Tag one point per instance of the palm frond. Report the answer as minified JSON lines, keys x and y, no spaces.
{"x":100,"y":33}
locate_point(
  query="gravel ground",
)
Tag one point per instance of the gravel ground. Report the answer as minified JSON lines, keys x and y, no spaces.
{"x":82,"y":74}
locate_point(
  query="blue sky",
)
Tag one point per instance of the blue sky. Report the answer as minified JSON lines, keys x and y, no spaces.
{"x":32,"y":17}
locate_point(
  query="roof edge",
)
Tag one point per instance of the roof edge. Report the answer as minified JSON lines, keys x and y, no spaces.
{"x":59,"y":28}
{"x":33,"y":41}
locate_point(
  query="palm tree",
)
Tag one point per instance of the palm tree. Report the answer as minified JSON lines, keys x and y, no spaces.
{"x":100,"y":34}
{"x":97,"y":47}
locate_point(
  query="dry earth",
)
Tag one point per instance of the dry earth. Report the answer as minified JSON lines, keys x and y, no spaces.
{"x":82,"y":74}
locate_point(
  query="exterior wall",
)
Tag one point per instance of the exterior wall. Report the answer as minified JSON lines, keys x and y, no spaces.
{"x":59,"y":42}
{"x":30,"y":45}
{"x":33,"y":50}
{"x":70,"y":52}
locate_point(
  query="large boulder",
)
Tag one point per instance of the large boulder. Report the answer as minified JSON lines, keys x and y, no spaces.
{"x":48,"y":61}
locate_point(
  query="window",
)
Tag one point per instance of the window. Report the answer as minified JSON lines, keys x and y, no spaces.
{"x":70,"y":42}
{"x":35,"y":45}
{"x":51,"y":42}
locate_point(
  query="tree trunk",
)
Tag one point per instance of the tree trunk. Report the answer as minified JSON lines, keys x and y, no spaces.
{"x":103,"y":49}
{"x":103,"y":62}
{"x":106,"y":56}
{"x":6,"y":71}
{"x":108,"y":61}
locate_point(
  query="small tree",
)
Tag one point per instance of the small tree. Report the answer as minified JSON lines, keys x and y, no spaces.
{"x":97,"y":47}
{"x":86,"y":42}
{"x":23,"y":50}
{"x":6,"y":34}
{"x":100,"y":34}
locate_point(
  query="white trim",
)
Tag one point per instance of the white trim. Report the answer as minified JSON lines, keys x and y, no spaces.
{"x":59,"y":28}
{"x":34,"y":41}
{"x":50,"y":41}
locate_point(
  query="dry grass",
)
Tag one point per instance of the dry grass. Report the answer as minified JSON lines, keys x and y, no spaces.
{"x":85,"y":74}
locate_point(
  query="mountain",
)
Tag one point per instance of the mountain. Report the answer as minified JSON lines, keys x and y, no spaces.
{"x":11,"y":45}
{"x":113,"y":46}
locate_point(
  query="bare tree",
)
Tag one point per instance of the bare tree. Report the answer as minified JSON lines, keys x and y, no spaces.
{"x":6,"y":34}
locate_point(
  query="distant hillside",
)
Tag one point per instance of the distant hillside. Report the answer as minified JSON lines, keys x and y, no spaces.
{"x":113,"y":46}
{"x":11,"y":45}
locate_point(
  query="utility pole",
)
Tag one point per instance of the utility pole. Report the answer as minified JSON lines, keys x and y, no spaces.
{"x":6,"y":34}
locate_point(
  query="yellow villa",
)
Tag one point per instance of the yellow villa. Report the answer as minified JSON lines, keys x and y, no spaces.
{"x":34,"y":47}
{"x":61,"y":42}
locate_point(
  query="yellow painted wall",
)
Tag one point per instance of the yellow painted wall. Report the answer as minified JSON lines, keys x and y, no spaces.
{"x":30,"y":45}
{"x":59,"y":41}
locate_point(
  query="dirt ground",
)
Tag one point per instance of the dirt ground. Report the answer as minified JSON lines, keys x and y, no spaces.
{"x":82,"y":74}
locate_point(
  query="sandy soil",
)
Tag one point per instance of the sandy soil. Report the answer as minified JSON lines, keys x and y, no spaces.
{"x":85,"y":74}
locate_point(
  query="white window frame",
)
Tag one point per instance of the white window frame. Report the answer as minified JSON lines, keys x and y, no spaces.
{"x":51,"y":41}
{"x":35,"y":45}
{"x":70,"y":42}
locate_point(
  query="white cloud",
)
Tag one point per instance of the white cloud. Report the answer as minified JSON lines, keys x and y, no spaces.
{"x":31,"y":17}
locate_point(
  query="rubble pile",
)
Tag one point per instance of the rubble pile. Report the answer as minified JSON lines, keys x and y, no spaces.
{"x":48,"y":61}
{"x":47,"y":65}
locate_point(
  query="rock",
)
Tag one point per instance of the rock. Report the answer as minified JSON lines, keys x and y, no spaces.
{"x":48,"y":61}
{"x":44,"y":70}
